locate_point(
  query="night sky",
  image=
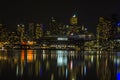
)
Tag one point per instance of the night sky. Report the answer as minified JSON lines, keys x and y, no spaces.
{"x":13,"y":12}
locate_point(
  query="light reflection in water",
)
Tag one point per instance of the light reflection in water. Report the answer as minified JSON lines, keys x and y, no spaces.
{"x":22,"y":55}
{"x":62,"y":58}
{"x":66,"y":72}
{"x":71,"y":65}
{"x":30,"y":55}
{"x":65,"y":65}
{"x":118,"y":75}
{"x":85,"y":70}
{"x":117,"y":64}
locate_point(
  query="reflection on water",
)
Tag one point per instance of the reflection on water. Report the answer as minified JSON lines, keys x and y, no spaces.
{"x":59,"y":65}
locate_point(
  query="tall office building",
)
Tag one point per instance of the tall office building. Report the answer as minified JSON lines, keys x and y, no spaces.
{"x":103,"y":29}
{"x":31,"y":30}
{"x":21,"y":31}
{"x":53,"y":27}
{"x":74,"y":20}
{"x":106,"y":31}
{"x":74,"y":28}
{"x":39,"y":31}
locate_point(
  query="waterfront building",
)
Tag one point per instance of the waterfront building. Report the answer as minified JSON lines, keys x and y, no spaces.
{"x":106,"y":33}
{"x":103,"y":30}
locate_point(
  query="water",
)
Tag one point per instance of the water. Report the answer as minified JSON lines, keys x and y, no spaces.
{"x":58,"y":65}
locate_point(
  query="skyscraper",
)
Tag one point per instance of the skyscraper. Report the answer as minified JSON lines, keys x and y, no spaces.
{"x":21,"y":31}
{"x":53,"y":26}
{"x":74,"y":27}
{"x":74,"y":20}
{"x":31,"y":31}
{"x":39,"y":31}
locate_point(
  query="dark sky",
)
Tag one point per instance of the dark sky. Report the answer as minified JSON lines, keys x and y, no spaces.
{"x":13,"y":12}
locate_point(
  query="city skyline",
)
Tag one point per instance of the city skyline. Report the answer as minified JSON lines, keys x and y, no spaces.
{"x":88,"y":12}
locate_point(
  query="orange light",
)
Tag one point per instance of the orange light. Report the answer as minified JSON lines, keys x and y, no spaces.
{"x":23,"y":43}
{"x":23,"y":55}
{"x":30,"y":42}
{"x":30,"y":55}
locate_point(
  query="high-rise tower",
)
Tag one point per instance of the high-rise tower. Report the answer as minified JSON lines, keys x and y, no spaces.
{"x":31,"y":30}
{"x":74,"y":20}
{"x":39,"y":31}
{"x":21,"y":31}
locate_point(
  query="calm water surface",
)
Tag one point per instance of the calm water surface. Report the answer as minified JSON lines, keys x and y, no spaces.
{"x":58,"y":65}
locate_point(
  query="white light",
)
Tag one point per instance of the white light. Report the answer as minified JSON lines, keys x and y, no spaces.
{"x":62,"y":39}
{"x":18,"y":25}
{"x":74,"y":15}
{"x":73,"y":79}
{"x":23,"y":25}
{"x":85,"y":29}
{"x":71,"y":34}
{"x":67,"y":26}
{"x":61,"y":58}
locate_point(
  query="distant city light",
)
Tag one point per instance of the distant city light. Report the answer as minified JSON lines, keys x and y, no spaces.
{"x":18,"y":25}
{"x":22,"y":25}
{"x":67,"y":26}
{"x":85,"y":29}
{"x":71,"y":34}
